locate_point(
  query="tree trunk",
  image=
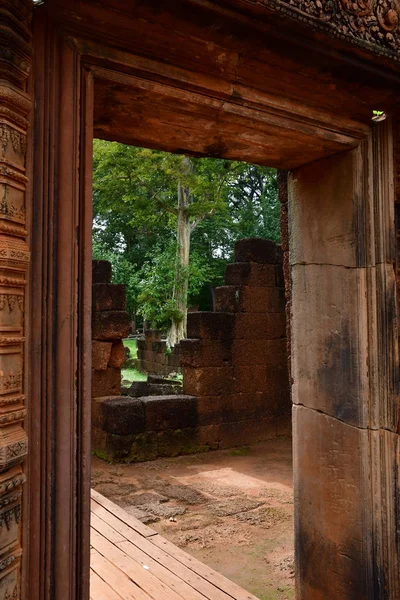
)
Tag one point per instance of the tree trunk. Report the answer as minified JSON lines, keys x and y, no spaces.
{"x":178,"y":330}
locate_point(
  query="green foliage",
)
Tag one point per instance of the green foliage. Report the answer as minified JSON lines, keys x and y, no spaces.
{"x":132,"y":345}
{"x":133,"y":375}
{"x":135,"y":220}
{"x":158,"y":277}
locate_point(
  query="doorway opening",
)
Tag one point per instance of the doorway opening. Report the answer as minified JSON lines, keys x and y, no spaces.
{"x":190,"y":356}
{"x":238,"y":90}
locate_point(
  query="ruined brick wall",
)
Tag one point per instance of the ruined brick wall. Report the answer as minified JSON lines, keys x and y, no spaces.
{"x":110,"y":324}
{"x":235,"y":375}
{"x":153,"y":357}
{"x":236,"y":360}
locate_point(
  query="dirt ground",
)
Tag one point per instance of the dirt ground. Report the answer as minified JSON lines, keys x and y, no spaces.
{"x":231,"y":509}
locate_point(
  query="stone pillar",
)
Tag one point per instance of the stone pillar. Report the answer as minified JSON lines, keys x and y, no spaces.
{"x":236,"y":363}
{"x":15,"y":106}
{"x":345,"y":374}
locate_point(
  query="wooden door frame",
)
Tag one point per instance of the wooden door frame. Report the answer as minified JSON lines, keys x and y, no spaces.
{"x":59,"y":361}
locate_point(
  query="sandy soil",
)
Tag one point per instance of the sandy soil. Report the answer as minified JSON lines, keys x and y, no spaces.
{"x":231,"y":509}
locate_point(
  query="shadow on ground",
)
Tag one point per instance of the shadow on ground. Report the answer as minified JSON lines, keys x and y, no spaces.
{"x":231,"y":509}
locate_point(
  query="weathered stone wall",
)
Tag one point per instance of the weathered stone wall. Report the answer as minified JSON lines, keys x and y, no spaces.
{"x":236,"y":360}
{"x":110,"y":323}
{"x":153,"y":357}
{"x":235,"y":376}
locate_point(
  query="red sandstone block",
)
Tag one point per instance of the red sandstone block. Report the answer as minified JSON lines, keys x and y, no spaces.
{"x":117,"y":357}
{"x":278,"y":378}
{"x":262,"y":300}
{"x":257,"y":250}
{"x":101,"y":271}
{"x":247,"y":406}
{"x":101,"y":353}
{"x":208,"y":325}
{"x":108,"y":296}
{"x":207,"y":381}
{"x":249,"y":299}
{"x":150,"y":356}
{"x":260,"y":352}
{"x":211,"y":410}
{"x":208,"y":437}
{"x":251,"y":274}
{"x":250,"y":379}
{"x":158,"y":347}
{"x":142,"y":365}
{"x":111,"y":325}
{"x":173,"y":360}
{"x":141,"y":344}
{"x":255,"y":326}
{"x":247,"y":431}
{"x":170,"y":412}
{"x":120,"y":415}
{"x":109,"y":446}
{"x":152,"y":335}
{"x":106,"y":383}
{"x":227,"y":298}
{"x":205,"y":353}
{"x":155,"y":368}
{"x":274,"y":403}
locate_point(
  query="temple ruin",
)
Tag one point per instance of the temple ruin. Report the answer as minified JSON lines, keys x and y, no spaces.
{"x":310,"y":88}
{"x":235,"y":380}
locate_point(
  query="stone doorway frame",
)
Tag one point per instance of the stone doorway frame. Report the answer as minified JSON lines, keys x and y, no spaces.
{"x":56,"y":542}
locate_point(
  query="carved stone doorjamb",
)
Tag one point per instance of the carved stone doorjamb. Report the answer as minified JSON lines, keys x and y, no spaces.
{"x":346,"y":373}
{"x":15,"y":107}
{"x":60,"y":313}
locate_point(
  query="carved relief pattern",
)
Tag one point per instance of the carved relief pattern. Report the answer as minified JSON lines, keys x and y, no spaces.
{"x":11,"y":301}
{"x":15,"y":594}
{"x":370,"y":23}
{"x":15,"y":106}
{"x":10,"y":381}
{"x":9,"y":209}
{"x":17,"y":139}
{"x":7,"y":517}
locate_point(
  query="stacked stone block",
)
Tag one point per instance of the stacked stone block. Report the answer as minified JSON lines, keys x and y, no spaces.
{"x":110,"y":325}
{"x":235,"y":361}
{"x":138,"y":429}
{"x":153,"y":357}
{"x":235,"y":376}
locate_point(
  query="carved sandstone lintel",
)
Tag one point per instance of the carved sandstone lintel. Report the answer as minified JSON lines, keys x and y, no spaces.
{"x":372,"y":24}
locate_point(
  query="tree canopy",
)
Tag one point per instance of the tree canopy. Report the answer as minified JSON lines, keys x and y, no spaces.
{"x":135,"y":217}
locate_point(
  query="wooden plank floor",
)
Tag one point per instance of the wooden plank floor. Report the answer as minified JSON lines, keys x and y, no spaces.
{"x":131,"y":561}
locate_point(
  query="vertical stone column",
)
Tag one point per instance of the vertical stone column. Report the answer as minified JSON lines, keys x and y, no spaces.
{"x":236,"y":363}
{"x":345,"y":374}
{"x":15,"y":105}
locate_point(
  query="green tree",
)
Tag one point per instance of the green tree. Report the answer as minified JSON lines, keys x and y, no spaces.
{"x":168,"y":224}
